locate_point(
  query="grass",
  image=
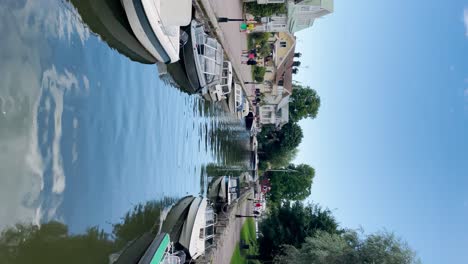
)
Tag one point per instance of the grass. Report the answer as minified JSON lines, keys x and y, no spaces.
{"x":248,"y":235}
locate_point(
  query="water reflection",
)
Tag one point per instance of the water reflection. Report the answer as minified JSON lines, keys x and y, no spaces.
{"x":53,"y":242}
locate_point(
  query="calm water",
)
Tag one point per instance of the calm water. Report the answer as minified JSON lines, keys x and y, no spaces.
{"x":87,"y":134}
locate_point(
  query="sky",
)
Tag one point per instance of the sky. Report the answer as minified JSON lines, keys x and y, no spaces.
{"x":390,"y":143}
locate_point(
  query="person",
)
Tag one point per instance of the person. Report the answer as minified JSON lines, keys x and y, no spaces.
{"x":250,"y":62}
{"x":243,"y":27}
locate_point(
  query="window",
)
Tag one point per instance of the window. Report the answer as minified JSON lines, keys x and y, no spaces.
{"x":202,"y":233}
{"x":283,"y":44}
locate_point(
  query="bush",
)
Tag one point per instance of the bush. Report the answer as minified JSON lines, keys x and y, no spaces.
{"x":265,"y":10}
{"x":260,"y":39}
{"x":259,"y":73}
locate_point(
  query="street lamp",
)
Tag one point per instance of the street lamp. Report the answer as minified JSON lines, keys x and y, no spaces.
{"x":225,"y":19}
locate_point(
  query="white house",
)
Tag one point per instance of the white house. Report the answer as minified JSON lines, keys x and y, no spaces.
{"x":274,"y":108}
{"x":301,"y":14}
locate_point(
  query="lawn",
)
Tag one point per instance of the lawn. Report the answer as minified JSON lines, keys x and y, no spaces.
{"x":248,"y":235}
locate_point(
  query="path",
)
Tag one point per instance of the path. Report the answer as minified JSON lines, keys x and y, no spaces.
{"x":229,"y":236}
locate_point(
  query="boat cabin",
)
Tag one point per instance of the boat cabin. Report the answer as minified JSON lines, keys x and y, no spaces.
{"x":222,"y":89}
{"x":209,"y":59}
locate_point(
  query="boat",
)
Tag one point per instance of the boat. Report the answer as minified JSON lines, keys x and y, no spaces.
{"x":220,"y":91}
{"x":203,"y":59}
{"x":241,"y":104}
{"x":223,"y":191}
{"x":107,"y":19}
{"x":156,"y":24}
{"x":175,"y":218}
{"x":149,"y":249}
{"x":161,"y":251}
{"x":193,"y":231}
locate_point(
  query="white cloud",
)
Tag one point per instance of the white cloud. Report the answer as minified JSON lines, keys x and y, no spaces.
{"x":465,"y":19}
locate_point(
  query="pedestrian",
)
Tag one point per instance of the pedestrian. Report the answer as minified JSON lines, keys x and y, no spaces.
{"x":250,"y":62}
{"x":243,"y":27}
{"x":249,"y":56}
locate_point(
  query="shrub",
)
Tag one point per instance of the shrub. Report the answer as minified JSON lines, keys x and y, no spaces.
{"x":259,"y":73}
{"x":265,"y":10}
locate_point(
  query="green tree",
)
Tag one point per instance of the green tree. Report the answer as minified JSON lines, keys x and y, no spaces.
{"x":291,"y":224}
{"x":281,"y":161}
{"x":52,"y":243}
{"x":348,"y":248}
{"x":279,"y":144}
{"x":265,"y":10}
{"x":304,"y":103}
{"x":294,"y":183}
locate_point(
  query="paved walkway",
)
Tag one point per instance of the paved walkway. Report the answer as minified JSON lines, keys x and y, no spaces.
{"x":229,"y":235}
{"x":228,"y":33}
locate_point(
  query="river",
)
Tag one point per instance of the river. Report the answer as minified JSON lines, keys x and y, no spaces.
{"x":86,"y":134}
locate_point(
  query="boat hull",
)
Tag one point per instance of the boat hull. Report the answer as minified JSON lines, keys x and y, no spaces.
{"x":191,"y":238}
{"x":144,"y":25}
{"x":155,"y":252}
{"x":175,"y":219}
{"x":189,"y":52}
{"x":107,"y":19}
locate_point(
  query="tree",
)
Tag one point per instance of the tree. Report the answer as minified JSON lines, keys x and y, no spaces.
{"x":304,"y":103}
{"x":278,"y":144}
{"x":294,"y":183}
{"x":291,"y":224}
{"x":52,"y":243}
{"x":348,"y":248}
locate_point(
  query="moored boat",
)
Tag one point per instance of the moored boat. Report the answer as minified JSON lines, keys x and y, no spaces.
{"x":149,"y":249}
{"x":156,"y":24}
{"x":203,"y":58}
{"x":107,"y":19}
{"x":220,"y":91}
{"x":223,"y":191}
{"x":193,"y":232}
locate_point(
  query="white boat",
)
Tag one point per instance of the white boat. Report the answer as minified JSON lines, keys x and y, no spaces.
{"x":223,"y":191}
{"x":203,"y":59}
{"x":156,"y":24}
{"x":240,"y":102}
{"x":220,"y":91}
{"x":198,"y":230}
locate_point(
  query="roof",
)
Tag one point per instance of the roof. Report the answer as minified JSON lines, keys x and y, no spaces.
{"x":284,"y":71}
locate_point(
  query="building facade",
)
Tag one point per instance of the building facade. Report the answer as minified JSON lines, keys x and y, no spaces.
{"x":301,"y":14}
{"x":277,"y":86}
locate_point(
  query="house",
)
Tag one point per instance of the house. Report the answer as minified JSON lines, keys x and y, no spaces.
{"x":300,"y":14}
{"x":277,"y":86}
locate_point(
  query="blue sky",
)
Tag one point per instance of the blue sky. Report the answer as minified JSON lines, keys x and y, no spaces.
{"x":390,"y":142}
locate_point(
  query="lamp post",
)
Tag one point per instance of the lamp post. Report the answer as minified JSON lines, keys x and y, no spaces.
{"x":225,"y":19}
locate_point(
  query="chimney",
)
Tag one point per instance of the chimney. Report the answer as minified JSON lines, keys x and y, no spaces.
{"x":296,"y":64}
